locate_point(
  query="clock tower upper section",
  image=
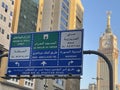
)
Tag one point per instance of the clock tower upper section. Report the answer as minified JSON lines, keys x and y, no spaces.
{"x":108,"y":41}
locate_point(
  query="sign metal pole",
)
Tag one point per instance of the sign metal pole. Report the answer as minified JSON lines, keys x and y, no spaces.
{"x":108,"y":63}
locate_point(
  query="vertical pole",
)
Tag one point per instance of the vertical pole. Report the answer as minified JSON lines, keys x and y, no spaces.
{"x":45,"y":85}
{"x":97,"y":79}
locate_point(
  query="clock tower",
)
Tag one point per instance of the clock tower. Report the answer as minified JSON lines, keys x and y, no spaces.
{"x":108,"y":46}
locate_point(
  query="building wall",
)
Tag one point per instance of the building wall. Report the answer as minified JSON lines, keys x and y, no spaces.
{"x":26,"y":21}
{"x":9,"y":22}
{"x":56,"y":15}
{"x":6,"y":16}
{"x":76,"y":14}
{"x":75,"y":22}
{"x":46,"y":15}
{"x":72,"y":84}
{"x":52,"y":17}
{"x":3,"y":66}
{"x":16,"y":16}
{"x":92,"y":86}
{"x":118,"y":87}
{"x":40,"y":14}
{"x":10,"y":86}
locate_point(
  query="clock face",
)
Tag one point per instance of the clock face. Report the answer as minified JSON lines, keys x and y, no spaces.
{"x":106,"y":43}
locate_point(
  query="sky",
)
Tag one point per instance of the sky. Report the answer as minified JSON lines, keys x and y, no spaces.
{"x":94,"y":25}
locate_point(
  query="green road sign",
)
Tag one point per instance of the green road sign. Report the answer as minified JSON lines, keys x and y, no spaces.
{"x":45,"y":41}
{"x":21,"y":40}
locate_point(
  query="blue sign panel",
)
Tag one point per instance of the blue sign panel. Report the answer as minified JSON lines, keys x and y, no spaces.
{"x":46,"y":53}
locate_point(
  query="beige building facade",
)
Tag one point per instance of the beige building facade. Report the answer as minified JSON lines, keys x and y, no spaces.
{"x":109,"y":47}
{"x":75,"y":22}
{"x":6,"y":21}
{"x":118,"y":87}
{"x":7,"y":13}
{"x":92,"y":86}
{"x":6,"y":17}
{"x":38,"y":16}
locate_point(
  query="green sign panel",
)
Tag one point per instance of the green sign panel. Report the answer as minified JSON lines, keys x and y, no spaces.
{"x":21,"y":40}
{"x":45,"y":41}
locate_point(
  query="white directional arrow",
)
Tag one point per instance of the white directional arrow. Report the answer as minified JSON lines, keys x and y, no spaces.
{"x":78,"y":70}
{"x":43,"y":63}
{"x":9,"y":71}
{"x":17,"y":63}
{"x":70,"y":62}
{"x":72,"y":69}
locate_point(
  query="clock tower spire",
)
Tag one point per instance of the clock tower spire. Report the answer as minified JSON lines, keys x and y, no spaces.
{"x":108,"y":29}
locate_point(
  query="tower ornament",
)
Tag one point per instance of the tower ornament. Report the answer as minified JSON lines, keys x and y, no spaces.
{"x":108,"y":29}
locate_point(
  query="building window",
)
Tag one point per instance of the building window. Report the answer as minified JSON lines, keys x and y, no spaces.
{"x":9,"y":25}
{"x":6,"y":8}
{"x":64,"y":14}
{"x":51,"y":21}
{"x":67,"y":2}
{"x":64,"y":21}
{"x":13,"y":80}
{"x":4,"y":19}
{"x":29,"y":83}
{"x":62,"y":27}
{"x":7,"y":36}
{"x":60,"y":82}
{"x":11,"y":13}
{"x":65,"y":7}
{"x":1,"y":16}
{"x":2,"y":31}
{"x":12,"y":2}
{"x":3,"y":4}
{"x":52,"y":14}
{"x":52,"y":6}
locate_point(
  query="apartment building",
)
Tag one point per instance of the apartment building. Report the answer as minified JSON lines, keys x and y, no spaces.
{"x":6,"y":17}
{"x":7,"y":12}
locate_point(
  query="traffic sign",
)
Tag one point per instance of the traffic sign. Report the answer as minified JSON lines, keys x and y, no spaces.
{"x":46,"y":53}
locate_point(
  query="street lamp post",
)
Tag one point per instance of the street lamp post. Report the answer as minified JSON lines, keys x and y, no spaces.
{"x":108,"y":63}
{"x":97,"y":79}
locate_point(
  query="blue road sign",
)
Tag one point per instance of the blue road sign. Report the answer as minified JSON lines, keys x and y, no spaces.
{"x":46,"y":53}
